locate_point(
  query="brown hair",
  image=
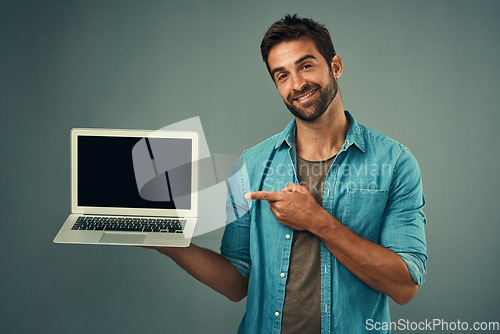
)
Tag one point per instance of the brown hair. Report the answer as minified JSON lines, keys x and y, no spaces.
{"x":293,"y":27}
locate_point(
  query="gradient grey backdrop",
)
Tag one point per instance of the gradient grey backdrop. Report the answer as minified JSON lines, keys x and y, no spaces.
{"x":423,"y":72}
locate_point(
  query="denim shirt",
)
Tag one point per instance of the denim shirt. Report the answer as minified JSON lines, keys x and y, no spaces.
{"x":373,"y":187}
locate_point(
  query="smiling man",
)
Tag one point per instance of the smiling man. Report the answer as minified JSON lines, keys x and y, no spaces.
{"x":333,"y":224}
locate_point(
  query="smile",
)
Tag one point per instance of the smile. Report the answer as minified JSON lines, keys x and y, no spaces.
{"x":303,"y":97}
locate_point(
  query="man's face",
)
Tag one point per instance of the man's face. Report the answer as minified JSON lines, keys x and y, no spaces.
{"x":304,"y":80}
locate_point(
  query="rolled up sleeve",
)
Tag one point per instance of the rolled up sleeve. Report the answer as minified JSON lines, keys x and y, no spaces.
{"x":402,"y":229}
{"x":235,"y":248}
{"x":235,"y":244}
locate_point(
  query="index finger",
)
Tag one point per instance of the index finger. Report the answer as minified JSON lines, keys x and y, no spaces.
{"x":264,"y":195}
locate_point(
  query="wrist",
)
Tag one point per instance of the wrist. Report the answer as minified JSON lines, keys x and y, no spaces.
{"x":324,"y":224}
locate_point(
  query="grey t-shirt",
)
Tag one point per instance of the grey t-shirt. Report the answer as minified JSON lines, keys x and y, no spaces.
{"x":302,"y":307}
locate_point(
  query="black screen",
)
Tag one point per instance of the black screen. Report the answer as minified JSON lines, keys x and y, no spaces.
{"x":106,"y":175}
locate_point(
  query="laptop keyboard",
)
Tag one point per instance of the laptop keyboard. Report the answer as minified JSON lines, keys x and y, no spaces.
{"x":160,"y":225}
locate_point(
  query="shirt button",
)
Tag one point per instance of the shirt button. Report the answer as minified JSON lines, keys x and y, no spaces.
{"x":287,"y":236}
{"x":282,"y":275}
{"x":277,"y":314}
{"x":347,"y":142}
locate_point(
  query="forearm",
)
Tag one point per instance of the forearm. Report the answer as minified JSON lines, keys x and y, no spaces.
{"x":377,"y":266}
{"x":209,"y":268}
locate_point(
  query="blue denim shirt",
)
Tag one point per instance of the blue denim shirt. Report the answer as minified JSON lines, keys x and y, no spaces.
{"x":373,"y":187}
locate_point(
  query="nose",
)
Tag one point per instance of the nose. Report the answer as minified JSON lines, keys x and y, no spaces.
{"x":298,"y":82}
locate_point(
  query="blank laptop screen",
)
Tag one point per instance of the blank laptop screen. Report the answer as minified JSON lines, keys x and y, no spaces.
{"x":107,"y":177}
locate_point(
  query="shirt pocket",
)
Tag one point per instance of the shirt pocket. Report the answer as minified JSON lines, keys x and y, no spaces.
{"x":364,"y":210}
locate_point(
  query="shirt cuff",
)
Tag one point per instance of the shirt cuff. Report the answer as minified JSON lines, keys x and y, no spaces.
{"x":416,"y":266}
{"x":242,"y":267}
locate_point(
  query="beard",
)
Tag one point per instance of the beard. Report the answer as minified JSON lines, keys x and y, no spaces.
{"x":312,"y":110}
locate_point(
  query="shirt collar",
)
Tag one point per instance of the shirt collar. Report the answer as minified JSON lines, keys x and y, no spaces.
{"x":288,"y":135}
{"x":354,"y":135}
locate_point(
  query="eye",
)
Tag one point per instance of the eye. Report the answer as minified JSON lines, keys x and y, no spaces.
{"x":306,"y":66}
{"x":281,"y":76}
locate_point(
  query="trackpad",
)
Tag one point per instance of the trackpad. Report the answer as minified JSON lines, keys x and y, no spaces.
{"x":123,"y":238}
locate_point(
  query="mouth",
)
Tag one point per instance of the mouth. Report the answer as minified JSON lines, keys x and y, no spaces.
{"x":306,"y":96}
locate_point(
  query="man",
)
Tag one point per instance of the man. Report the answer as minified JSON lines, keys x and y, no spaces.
{"x":333,"y":224}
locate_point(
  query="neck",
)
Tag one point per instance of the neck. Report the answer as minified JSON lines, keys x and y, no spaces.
{"x":322,"y":138}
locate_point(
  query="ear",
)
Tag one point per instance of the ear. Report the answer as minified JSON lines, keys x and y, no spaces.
{"x":337,"y":66}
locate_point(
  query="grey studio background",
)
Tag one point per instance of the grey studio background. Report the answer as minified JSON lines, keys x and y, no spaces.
{"x":423,"y":72}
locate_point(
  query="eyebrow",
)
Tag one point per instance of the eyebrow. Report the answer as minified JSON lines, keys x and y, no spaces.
{"x":298,"y":61}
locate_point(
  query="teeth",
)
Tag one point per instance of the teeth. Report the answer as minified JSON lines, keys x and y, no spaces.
{"x":306,"y":96}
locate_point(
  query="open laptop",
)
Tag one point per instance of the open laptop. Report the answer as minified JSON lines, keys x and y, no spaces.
{"x":132,"y":187}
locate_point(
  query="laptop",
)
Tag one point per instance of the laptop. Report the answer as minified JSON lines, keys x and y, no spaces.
{"x":132,"y":187}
